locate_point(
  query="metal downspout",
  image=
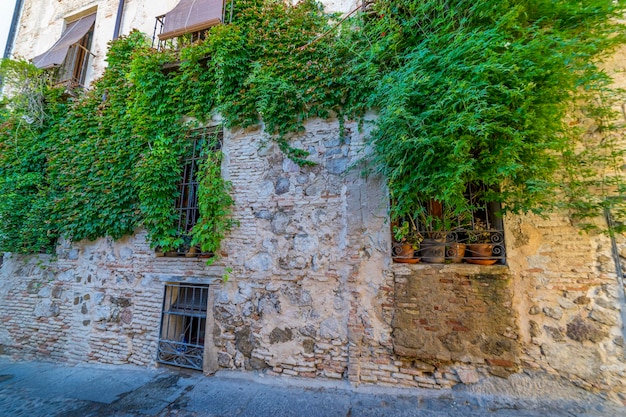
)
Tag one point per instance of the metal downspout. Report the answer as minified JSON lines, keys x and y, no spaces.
{"x":10,"y":40}
{"x":118,"y":20}
{"x":621,"y":292}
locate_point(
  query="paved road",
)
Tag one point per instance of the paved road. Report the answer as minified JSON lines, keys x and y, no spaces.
{"x":43,"y":389}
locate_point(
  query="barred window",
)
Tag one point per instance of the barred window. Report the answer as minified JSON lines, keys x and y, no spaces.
{"x":200,"y":140}
{"x":432,"y":235}
{"x":183,"y":325}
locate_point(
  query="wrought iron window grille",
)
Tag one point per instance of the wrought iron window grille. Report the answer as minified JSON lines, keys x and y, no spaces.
{"x":433,"y":236}
{"x":188,"y":213}
{"x":183,"y":324}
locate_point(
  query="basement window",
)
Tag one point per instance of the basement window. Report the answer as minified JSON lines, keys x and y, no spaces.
{"x":432,"y":236}
{"x":68,"y":58}
{"x":183,"y":325}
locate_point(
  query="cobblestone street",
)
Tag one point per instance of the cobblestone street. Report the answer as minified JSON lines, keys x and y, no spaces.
{"x":43,"y":389}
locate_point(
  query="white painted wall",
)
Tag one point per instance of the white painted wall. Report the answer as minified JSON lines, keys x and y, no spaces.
{"x":6,"y":14}
{"x":42,"y":22}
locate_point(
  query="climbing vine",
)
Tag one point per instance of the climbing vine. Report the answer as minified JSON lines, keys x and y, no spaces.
{"x":465,"y":92}
{"x":478,"y":92}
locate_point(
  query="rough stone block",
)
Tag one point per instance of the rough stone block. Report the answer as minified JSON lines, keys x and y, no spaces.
{"x":603,"y":316}
{"x":554,"y":312}
{"x":580,"y":330}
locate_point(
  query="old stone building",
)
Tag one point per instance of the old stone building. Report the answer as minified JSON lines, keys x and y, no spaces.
{"x":312,"y":288}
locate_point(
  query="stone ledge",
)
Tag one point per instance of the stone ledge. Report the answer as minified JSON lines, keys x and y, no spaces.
{"x":212,"y":277}
{"x":460,"y":268}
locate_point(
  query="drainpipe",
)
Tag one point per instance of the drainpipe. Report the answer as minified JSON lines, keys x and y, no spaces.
{"x":16,"y":17}
{"x":118,"y":20}
{"x":621,"y":292}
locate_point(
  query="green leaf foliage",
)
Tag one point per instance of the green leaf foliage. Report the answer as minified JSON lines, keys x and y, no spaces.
{"x":465,"y":92}
{"x":477,"y":92}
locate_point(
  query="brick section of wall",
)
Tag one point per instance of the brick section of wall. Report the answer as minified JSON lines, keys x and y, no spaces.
{"x":450,"y":309}
{"x":455,"y":313}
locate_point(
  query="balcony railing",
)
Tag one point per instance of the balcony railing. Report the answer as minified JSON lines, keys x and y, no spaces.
{"x":174,"y":43}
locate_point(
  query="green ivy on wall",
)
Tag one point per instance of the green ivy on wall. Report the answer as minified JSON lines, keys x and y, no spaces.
{"x":464,"y":91}
{"x":477,"y":92}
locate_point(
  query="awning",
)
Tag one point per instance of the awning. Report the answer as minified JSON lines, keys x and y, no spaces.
{"x":74,"y":32}
{"x":191,"y":16}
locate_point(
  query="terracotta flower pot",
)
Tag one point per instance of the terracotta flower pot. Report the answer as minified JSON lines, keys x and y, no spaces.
{"x":455,"y":252}
{"x":404,"y":253}
{"x":479,"y":253}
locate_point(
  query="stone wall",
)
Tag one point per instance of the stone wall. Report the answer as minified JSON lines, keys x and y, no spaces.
{"x":568,"y":296}
{"x":302,"y":233}
{"x":555,"y":308}
{"x":300,"y":237}
{"x":98,"y":302}
{"x":312,"y":290}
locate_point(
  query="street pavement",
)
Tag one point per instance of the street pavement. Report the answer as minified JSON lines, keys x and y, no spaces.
{"x":36,"y":389}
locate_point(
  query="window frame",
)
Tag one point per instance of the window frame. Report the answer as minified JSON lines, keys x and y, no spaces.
{"x":76,"y":62}
{"x":461,"y":240}
{"x":186,"y":205}
{"x":183,"y":326}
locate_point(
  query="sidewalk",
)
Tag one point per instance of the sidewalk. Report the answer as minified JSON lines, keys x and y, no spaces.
{"x":36,"y":389}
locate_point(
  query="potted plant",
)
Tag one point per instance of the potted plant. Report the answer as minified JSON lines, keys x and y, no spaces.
{"x":455,"y":251}
{"x":436,"y":221}
{"x":480,"y":246}
{"x":407,"y":240}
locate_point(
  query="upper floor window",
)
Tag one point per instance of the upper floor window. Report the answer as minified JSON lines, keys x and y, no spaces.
{"x":433,"y":234}
{"x":187,"y":22}
{"x":69,"y":56}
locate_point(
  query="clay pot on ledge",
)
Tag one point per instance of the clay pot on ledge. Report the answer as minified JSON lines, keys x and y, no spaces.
{"x":455,"y":252}
{"x":193,"y":252}
{"x":404,"y":253}
{"x":434,"y":250}
{"x":479,"y":254}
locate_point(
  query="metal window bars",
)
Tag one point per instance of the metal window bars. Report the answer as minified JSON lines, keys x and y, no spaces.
{"x":188,"y":212}
{"x":183,"y":324}
{"x":434,"y":236}
{"x":173,"y":43}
